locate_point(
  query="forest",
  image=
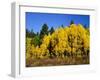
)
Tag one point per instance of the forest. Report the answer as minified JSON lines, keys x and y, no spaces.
{"x":65,"y":45}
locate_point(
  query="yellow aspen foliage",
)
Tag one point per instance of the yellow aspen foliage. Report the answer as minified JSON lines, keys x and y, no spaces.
{"x":28,"y":48}
{"x":46,"y":40}
{"x":72,"y":40}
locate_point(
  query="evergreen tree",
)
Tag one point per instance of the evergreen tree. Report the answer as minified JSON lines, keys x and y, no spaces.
{"x":72,"y":22}
{"x":27,"y":33}
{"x":37,"y":34}
{"x":44,"y":31}
{"x":32,"y":33}
{"x":51,"y":30}
{"x":62,"y":26}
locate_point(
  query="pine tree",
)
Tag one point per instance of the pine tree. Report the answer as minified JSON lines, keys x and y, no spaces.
{"x":51,"y":30}
{"x":44,"y":31}
{"x":62,"y":26}
{"x":72,"y":22}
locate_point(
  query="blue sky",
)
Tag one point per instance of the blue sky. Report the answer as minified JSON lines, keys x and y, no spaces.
{"x":36,"y":20}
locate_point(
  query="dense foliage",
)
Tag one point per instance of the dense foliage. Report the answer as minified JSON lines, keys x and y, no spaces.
{"x":68,"y":45}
